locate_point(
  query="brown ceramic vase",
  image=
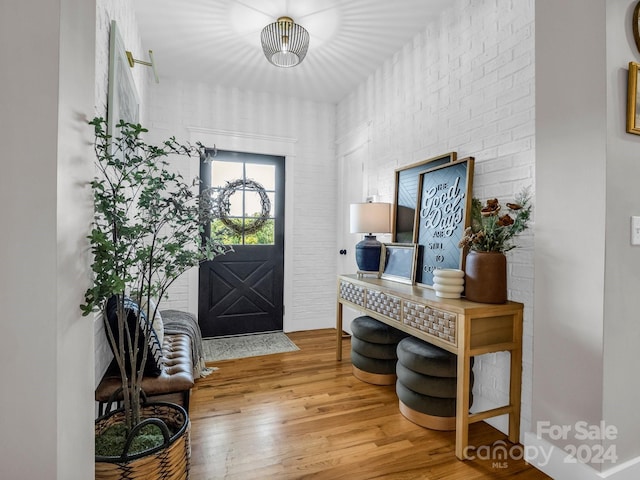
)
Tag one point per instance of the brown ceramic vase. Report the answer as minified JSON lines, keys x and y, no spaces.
{"x":485,"y":278}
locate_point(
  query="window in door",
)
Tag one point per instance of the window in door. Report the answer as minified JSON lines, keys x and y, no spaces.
{"x":245,"y":194}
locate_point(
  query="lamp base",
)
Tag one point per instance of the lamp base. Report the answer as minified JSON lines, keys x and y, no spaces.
{"x":368,"y":253}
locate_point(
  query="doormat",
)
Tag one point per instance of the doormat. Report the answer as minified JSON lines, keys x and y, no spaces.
{"x":228,"y":348}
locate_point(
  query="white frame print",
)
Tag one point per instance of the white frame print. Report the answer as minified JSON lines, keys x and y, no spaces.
{"x":123,"y":102}
{"x":399,"y":262}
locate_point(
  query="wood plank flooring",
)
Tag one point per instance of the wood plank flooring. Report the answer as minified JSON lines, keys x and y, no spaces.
{"x":302,"y":415}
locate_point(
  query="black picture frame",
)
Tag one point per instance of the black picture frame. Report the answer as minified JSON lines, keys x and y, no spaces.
{"x":444,"y":201}
{"x":406,"y":194}
{"x":399,"y":262}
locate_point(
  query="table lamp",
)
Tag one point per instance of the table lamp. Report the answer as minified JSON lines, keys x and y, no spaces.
{"x":369,"y":218}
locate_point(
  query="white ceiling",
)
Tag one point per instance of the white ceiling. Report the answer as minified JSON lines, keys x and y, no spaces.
{"x":218,"y":41}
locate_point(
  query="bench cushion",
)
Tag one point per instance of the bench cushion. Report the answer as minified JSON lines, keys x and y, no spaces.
{"x":176,"y":373}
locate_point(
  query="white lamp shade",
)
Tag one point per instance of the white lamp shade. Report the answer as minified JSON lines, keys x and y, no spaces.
{"x":370,"y":217}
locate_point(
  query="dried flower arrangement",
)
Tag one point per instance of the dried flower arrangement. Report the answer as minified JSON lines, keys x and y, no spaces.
{"x":491,"y":231}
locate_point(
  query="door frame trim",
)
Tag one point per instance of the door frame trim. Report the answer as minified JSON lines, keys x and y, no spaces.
{"x":259,"y":144}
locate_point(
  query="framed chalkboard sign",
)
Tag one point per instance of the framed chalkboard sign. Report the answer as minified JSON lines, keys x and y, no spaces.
{"x":407,"y":192}
{"x":399,"y":260}
{"x":444,"y":198}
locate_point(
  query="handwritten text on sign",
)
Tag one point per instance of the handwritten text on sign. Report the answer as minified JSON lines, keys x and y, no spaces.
{"x":442,"y":208}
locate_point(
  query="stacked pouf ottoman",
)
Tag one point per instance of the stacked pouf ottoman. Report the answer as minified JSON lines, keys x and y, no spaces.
{"x":373,"y":350}
{"x":426,"y":385}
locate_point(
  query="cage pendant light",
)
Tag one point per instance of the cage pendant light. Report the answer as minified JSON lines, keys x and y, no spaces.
{"x":284,"y":42}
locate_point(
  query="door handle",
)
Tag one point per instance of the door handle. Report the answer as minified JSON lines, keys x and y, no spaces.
{"x":343,"y":252}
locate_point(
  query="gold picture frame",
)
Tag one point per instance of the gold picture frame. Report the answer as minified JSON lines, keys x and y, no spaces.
{"x":633,"y":100}
{"x":407,"y":192}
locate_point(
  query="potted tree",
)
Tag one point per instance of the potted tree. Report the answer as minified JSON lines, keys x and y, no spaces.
{"x":146,"y":232}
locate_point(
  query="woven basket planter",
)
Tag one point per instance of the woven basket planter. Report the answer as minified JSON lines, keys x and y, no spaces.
{"x":170,"y":461}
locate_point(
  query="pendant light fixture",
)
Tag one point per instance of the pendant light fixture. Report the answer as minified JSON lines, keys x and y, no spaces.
{"x":284,"y":42}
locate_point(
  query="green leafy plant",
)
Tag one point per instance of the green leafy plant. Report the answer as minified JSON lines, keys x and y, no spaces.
{"x":492,"y":228}
{"x":146,"y":232}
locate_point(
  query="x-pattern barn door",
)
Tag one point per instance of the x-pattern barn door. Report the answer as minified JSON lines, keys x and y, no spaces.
{"x":242,"y":292}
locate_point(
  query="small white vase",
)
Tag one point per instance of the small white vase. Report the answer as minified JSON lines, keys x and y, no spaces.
{"x":448,"y":282}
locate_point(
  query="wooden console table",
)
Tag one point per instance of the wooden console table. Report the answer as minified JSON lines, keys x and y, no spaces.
{"x":456,"y":325}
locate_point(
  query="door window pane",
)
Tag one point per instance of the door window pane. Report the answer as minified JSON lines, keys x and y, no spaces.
{"x":224,"y":172}
{"x":243,"y":194}
{"x":263,"y":174}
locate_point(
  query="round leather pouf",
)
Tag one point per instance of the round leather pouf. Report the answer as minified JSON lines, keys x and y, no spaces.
{"x":441,"y":387}
{"x":439,"y":407}
{"x":422,"y":357}
{"x":374,"y":350}
{"x":373,"y":370}
{"x":427,"y":384}
{"x":373,"y":365}
{"x":429,"y":412}
{"x":371,"y":330}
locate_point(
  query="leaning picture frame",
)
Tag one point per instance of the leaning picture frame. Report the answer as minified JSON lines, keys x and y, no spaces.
{"x":122,"y":101}
{"x":399,"y":262}
{"x":406,"y":194}
{"x":633,"y":99}
{"x":442,"y":214}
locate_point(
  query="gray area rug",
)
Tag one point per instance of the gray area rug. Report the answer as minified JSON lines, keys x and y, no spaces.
{"x":227,"y":348}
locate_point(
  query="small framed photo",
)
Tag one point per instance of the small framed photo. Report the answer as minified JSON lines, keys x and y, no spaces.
{"x":399,"y":262}
{"x":633,"y":100}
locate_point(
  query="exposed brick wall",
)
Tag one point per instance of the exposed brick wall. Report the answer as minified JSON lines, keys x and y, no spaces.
{"x":466,"y":84}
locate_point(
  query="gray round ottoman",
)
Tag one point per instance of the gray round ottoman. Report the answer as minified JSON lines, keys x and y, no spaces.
{"x":427,"y":384}
{"x":373,"y":350}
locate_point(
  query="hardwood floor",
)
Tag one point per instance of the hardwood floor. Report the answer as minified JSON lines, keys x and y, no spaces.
{"x":303,"y":415}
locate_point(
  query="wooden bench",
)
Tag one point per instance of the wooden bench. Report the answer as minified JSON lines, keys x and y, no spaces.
{"x":176,"y":376}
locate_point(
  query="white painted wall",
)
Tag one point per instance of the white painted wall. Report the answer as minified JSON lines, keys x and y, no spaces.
{"x":465,"y":84}
{"x":123,"y":13}
{"x":570,"y":165}
{"x":47,"y":398}
{"x":304,"y":132}
{"x":621,"y":395}
{"x":586,"y":328}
